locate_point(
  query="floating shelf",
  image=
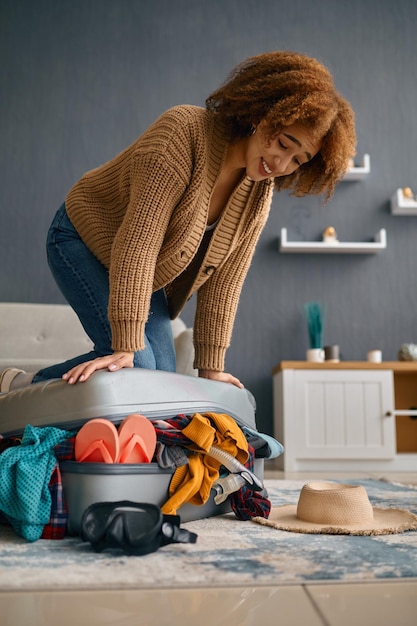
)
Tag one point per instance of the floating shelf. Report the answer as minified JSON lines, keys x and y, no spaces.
{"x":360,"y":247}
{"x":362,"y":171}
{"x":401,"y":205}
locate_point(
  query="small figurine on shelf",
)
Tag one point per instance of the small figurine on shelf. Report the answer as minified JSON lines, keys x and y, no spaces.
{"x":407,"y":352}
{"x":408,"y":193}
{"x":351,"y":163}
{"x":330,"y":235}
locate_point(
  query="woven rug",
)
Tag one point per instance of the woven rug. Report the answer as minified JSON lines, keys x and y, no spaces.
{"x":228,"y":552}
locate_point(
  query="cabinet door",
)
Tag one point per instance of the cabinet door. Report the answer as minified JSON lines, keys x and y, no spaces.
{"x":342,"y":414}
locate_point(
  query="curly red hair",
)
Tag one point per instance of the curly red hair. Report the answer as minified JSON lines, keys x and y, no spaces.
{"x":281,"y":89}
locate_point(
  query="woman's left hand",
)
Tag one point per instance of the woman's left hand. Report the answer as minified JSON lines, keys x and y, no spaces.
{"x":223,"y":377}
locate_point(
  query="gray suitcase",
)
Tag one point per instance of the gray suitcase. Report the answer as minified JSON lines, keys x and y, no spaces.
{"x":114,"y":395}
{"x":155,"y":394}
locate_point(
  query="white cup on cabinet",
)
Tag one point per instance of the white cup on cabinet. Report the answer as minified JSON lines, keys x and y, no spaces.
{"x":374,"y":356}
{"x":315,"y":355}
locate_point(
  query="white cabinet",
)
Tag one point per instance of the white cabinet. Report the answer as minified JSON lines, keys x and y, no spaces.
{"x":336,"y":419}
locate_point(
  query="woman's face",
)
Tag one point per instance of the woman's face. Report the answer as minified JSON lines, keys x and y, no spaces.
{"x":280,"y":156}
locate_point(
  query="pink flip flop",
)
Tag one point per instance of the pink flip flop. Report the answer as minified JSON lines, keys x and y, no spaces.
{"x":97,"y":442}
{"x":137,"y":438}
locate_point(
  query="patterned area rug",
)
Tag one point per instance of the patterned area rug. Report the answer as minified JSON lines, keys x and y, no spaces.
{"x":228,"y":552}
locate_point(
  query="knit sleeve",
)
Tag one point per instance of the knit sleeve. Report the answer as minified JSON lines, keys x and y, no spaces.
{"x":155,"y":191}
{"x":217,"y":303}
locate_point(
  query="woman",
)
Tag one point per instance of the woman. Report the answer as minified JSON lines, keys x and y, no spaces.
{"x":181,"y":210}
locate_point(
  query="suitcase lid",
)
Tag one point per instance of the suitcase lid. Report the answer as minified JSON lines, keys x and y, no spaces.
{"x":113,"y":395}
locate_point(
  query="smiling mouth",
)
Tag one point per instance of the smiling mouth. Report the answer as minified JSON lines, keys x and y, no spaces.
{"x":266,"y":167}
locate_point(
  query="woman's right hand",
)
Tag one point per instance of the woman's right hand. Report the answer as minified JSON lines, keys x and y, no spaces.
{"x":112,"y":362}
{"x":223,"y":377}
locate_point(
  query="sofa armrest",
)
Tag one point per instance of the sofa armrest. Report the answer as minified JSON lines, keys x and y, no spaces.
{"x":184,"y":349}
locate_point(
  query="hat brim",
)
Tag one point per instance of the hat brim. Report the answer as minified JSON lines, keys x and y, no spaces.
{"x":385,"y":522}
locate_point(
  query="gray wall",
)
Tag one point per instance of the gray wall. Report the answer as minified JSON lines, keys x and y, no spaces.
{"x":80,"y":79}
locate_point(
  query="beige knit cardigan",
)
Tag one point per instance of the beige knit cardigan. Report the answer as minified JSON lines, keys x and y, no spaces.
{"x":143,"y":214}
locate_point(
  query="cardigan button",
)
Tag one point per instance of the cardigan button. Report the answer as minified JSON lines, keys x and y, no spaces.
{"x":210,"y":269}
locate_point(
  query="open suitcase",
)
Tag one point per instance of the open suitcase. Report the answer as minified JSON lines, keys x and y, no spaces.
{"x":155,"y":394}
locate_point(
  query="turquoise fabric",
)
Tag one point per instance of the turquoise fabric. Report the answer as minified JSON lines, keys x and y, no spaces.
{"x":25,"y":472}
{"x":276,"y":448}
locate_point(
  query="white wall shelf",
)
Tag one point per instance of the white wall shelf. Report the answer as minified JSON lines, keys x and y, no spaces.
{"x":356,"y":247}
{"x":401,"y":205}
{"x":359,"y":172}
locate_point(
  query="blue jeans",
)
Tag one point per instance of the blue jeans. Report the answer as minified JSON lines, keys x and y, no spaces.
{"x":84,"y":282}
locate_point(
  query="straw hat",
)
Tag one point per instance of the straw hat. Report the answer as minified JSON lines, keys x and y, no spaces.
{"x":336,"y":509}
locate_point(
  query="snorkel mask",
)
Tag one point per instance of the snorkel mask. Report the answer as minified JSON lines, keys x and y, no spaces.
{"x":134,"y":528}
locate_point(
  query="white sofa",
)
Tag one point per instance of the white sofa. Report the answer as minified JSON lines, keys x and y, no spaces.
{"x":33,"y":336}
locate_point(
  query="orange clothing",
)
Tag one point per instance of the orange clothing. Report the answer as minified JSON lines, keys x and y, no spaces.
{"x":192,"y":482}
